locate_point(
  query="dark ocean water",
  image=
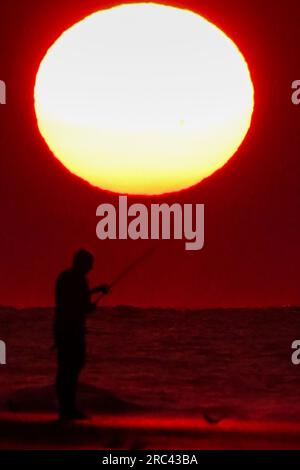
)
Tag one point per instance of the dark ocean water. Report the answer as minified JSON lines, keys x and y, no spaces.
{"x":235,"y":362}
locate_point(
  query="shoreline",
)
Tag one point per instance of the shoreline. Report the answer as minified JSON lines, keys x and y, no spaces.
{"x":144,"y":432}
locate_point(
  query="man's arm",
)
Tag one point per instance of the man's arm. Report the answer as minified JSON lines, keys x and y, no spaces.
{"x":104,"y":288}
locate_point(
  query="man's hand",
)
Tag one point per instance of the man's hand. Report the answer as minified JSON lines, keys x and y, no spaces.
{"x":103,"y":288}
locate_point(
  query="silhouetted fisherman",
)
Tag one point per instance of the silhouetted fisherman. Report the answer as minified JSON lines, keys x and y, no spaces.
{"x":73,"y":304}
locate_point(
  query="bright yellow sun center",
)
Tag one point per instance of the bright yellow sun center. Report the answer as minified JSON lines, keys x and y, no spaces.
{"x":143,"y":98}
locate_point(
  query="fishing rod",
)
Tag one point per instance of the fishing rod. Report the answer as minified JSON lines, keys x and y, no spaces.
{"x":125,"y":271}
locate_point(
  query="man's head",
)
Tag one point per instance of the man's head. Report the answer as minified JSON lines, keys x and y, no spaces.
{"x":83,"y":261}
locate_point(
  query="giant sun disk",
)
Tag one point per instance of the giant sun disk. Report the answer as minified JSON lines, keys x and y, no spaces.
{"x":143,"y":98}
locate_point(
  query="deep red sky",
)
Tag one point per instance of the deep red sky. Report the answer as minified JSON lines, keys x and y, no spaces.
{"x":251,"y":254}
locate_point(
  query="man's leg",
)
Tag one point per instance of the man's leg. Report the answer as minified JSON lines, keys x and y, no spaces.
{"x":65,"y":382}
{"x":73,"y":384}
{"x":68,"y":371}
